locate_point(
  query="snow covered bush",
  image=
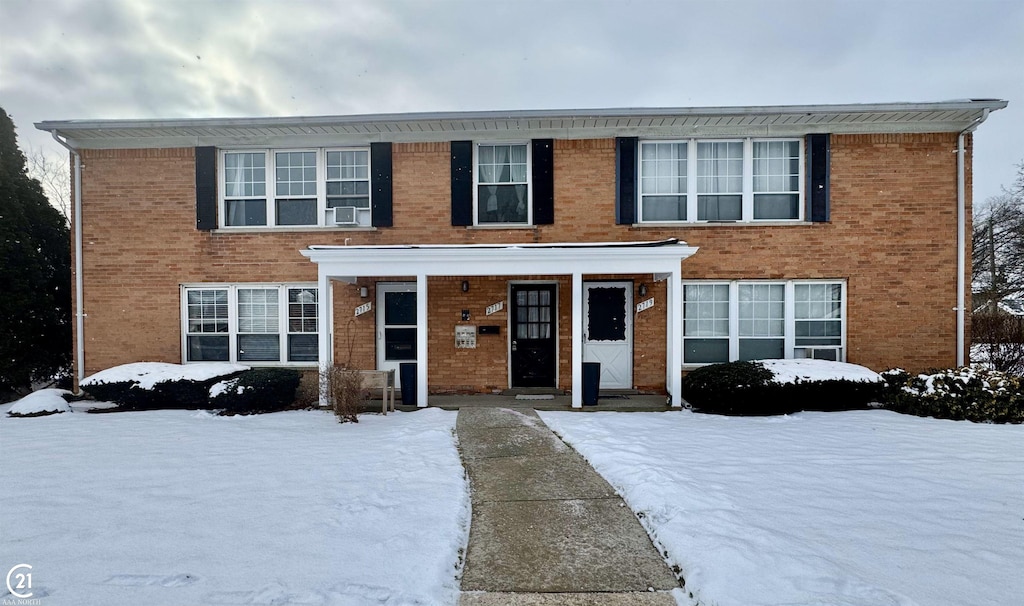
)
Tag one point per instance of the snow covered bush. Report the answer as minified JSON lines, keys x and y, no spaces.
{"x":772,"y":387}
{"x":41,"y":403}
{"x":961,"y":394}
{"x":153,"y":385}
{"x":255,"y":391}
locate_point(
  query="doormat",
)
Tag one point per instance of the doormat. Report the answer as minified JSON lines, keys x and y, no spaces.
{"x":526,"y":396}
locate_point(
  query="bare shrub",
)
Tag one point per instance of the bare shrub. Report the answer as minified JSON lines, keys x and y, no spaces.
{"x":1000,"y":336}
{"x":343,"y":390}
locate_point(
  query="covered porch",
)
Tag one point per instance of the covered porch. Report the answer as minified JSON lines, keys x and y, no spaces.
{"x":416,"y":263}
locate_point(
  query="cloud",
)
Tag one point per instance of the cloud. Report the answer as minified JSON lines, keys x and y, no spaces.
{"x":63,"y":59}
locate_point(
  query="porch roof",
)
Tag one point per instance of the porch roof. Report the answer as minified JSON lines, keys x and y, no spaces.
{"x":556,"y":258}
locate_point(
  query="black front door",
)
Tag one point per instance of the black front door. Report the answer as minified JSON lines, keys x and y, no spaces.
{"x":533,"y":335}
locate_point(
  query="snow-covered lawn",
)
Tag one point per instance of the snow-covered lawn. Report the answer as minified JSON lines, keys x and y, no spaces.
{"x":182,"y":507}
{"x":860,"y":508}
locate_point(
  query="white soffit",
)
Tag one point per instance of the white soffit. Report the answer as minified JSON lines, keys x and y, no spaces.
{"x":788,"y":120}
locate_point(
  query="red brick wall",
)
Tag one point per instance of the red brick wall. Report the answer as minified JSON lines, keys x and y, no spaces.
{"x":892,"y":237}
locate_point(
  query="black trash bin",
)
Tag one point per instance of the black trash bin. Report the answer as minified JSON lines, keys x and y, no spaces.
{"x":591,"y":383}
{"x":407,"y":376}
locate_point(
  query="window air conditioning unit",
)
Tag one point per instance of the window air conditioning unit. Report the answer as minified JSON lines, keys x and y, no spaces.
{"x":818,"y":353}
{"x":345,"y":215}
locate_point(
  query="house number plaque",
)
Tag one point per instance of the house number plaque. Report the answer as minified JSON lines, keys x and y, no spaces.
{"x":365,"y":307}
{"x":642,"y":305}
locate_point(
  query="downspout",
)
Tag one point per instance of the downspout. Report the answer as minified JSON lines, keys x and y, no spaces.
{"x":961,"y":239}
{"x":79,"y":314}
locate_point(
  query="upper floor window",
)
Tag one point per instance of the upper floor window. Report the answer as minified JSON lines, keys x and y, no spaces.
{"x":320,"y":187}
{"x":296,"y":185}
{"x":729,"y":180}
{"x":348,"y":185}
{"x":245,"y":188}
{"x":503,"y":184}
{"x":777,"y":179}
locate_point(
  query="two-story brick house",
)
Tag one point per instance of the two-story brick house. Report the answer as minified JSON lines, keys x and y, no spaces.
{"x":504,"y":249}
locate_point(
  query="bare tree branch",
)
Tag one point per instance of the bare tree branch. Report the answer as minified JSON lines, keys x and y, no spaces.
{"x":53,"y":172}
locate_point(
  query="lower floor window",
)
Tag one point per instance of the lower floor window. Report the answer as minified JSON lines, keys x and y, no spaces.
{"x":250,"y":323}
{"x":726,"y":321}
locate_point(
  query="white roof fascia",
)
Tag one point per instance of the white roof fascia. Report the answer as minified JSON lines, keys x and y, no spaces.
{"x":509,"y":260}
{"x":948,"y":116}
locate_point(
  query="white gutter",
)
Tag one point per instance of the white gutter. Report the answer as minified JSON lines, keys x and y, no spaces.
{"x":961,"y":240}
{"x":79,"y":314}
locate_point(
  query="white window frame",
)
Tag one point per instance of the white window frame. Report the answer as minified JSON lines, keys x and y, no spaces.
{"x":747,"y":215}
{"x":790,"y":349}
{"x":222,"y":196}
{"x":270,"y":164}
{"x":233,"y":332}
{"x":529,"y":183}
{"x":364,"y":216}
{"x":275,"y":197}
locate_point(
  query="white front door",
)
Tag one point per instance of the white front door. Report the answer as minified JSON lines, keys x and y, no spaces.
{"x":396,"y":325}
{"x":608,"y":331}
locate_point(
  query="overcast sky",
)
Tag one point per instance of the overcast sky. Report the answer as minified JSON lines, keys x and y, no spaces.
{"x":73,"y":59}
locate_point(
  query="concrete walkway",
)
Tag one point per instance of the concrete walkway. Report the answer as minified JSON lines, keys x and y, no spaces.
{"x":546,"y":528}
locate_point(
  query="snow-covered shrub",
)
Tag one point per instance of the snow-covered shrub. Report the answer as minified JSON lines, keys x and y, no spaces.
{"x":255,"y":391}
{"x":41,"y":403}
{"x":962,"y":394}
{"x":772,"y":387}
{"x":152,"y":385}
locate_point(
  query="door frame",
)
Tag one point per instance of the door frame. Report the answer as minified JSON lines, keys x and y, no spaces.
{"x":629,"y":286}
{"x":508,"y":324}
{"x":381,"y":288}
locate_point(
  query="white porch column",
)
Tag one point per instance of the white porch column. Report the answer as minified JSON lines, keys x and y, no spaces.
{"x":325,"y":332}
{"x":674,"y":349}
{"x":421,"y":340}
{"x":577,"y":340}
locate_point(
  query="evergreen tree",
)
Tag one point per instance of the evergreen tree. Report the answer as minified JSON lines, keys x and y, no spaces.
{"x":35,"y":275}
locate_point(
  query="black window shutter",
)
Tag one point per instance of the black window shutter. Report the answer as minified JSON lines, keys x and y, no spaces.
{"x":543,"y":181}
{"x":625,"y":180}
{"x":462,"y":182}
{"x":817,"y":178}
{"x":206,"y":188}
{"x":380,"y":184}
